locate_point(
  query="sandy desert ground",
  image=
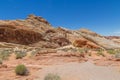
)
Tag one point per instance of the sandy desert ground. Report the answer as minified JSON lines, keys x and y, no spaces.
{"x":67,"y":67}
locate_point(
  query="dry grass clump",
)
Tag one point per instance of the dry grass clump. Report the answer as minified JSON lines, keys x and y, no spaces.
{"x":100,"y":52}
{"x":20,"y":54}
{"x":52,"y":77}
{"x":83,"y":50}
{"x":117,"y":55}
{"x":4,"y":54}
{"x":32,"y":52}
{"x":111,"y":51}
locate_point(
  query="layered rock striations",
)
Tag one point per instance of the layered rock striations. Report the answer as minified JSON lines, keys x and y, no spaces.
{"x":35,"y":31}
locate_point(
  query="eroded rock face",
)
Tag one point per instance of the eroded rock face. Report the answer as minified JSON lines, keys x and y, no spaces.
{"x":35,"y":31}
{"x":85,"y":44}
{"x":86,"y":31}
{"x":56,"y":37}
{"x":32,"y":18}
{"x":61,"y":41}
{"x":35,"y":23}
{"x":113,"y":38}
{"x":18,"y":36}
{"x":23,"y":32}
{"x":101,"y":41}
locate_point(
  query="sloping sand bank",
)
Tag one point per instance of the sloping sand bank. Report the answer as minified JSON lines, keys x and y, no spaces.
{"x":81,"y":71}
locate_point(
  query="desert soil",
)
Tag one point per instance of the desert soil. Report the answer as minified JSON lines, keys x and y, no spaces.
{"x":81,"y":71}
{"x":68,"y":67}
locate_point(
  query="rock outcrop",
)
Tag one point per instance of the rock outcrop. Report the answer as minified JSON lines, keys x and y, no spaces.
{"x":114,"y":38}
{"x":85,"y":44}
{"x":11,"y":34}
{"x":101,"y":41}
{"x":35,"y":31}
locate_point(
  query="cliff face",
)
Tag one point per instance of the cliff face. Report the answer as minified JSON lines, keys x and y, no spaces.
{"x":18,"y":36}
{"x":33,"y":31}
{"x":23,"y":32}
{"x":37,"y":32}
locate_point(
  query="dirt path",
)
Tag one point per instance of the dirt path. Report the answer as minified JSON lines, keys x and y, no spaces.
{"x":81,"y":71}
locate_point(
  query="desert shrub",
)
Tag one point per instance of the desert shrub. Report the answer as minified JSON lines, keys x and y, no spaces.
{"x":34,"y":52}
{"x":1,"y":62}
{"x":21,"y":69}
{"x":83,"y":50}
{"x":117,"y":55}
{"x":69,"y":49}
{"x":111,"y":51}
{"x":86,"y":50}
{"x":100,"y":52}
{"x":20,"y":54}
{"x":4,"y":54}
{"x":52,"y":77}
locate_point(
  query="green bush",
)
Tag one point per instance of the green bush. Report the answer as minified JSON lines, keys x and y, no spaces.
{"x":111,"y":51}
{"x":82,"y":50}
{"x":4,"y":54}
{"x":52,"y":77}
{"x":21,"y":69}
{"x":100,"y":52}
{"x":20,"y":54}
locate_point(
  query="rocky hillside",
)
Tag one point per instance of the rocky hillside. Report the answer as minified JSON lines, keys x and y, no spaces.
{"x":114,"y":38}
{"x":35,"y":31}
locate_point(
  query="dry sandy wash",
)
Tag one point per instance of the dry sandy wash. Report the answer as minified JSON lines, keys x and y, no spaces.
{"x":81,"y":71}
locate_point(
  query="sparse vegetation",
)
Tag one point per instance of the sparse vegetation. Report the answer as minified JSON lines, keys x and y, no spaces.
{"x":111,"y":51}
{"x":1,"y":62}
{"x":100,"y":52}
{"x":69,"y":49}
{"x":83,"y":50}
{"x":117,"y":55}
{"x":35,"y":51}
{"x":21,"y":70}
{"x":20,"y":54}
{"x":4,"y":54}
{"x":52,"y":77}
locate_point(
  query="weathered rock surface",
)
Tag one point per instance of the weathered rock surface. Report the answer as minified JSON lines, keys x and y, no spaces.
{"x":35,"y":31}
{"x":101,"y":41}
{"x":85,"y":44}
{"x":114,"y":38}
{"x":19,"y":36}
